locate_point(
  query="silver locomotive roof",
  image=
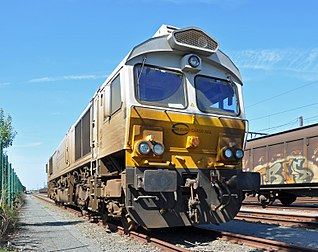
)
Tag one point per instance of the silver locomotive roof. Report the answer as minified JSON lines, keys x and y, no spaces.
{"x":189,"y":40}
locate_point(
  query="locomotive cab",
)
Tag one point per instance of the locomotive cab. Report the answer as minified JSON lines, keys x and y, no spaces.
{"x":186,"y":134}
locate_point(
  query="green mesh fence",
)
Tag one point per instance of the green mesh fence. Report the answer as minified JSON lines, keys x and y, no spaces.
{"x":10,"y":184}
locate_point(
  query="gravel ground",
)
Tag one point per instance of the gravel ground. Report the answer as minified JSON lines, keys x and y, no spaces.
{"x":223,"y":246}
{"x":46,"y":227}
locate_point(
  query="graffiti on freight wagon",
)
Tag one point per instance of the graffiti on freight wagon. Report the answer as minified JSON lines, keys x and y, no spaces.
{"x":290,"y":170}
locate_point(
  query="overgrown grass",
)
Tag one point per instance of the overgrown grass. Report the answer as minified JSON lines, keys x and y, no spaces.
{"x":9,"y":220}
{"x":9,"y":215}
{"x":4,"y":250}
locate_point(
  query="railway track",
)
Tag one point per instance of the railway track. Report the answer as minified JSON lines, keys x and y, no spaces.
{"x":307,"y":202}
{"x":261,"y":243}
{"x":167,"y":240}
{"x":250,"y":241}
{"x":165,"y":246}
{"x":278,"y":217}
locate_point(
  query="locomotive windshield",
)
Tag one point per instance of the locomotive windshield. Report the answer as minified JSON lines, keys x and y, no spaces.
{"x":159,"y":87}
{"x":215,"y":95}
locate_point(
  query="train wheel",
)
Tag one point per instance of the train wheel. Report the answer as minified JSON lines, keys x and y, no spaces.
{"x":266,"y":200}
{"x":263,"y":200}
{"x":103,"y":211}
{"x":128,"y":223}
{"x":286,"y":198}
{"x":84,"y":211}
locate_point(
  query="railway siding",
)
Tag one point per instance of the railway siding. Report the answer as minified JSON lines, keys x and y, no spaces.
{"x":296,"y":236}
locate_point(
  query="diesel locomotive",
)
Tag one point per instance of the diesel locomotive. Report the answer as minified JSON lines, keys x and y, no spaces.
{"x":160,"y":144}
{"x":287,"y":162}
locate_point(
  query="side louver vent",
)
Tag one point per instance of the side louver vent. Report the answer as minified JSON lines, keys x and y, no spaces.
{"x":193,"y":38}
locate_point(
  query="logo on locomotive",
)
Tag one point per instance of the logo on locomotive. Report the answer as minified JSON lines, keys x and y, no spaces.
{"x":180,"y":129}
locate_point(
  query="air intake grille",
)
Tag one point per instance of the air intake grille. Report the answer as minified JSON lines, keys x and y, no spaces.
{"x":195,"y":38}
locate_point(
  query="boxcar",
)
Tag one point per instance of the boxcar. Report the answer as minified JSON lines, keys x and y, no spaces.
{"x":287,"y":163}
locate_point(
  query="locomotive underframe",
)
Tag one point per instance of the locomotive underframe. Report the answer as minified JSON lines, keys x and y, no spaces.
{"x":201,"y":196}
{"x":157,"y":197}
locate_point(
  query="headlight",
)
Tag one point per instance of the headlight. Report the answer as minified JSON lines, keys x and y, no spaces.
{"x":194,"y":61}
{"x":228,"y":153}
{"x":158,"y":149}
{"x":144,"y":148}
{"x":239,"y":153}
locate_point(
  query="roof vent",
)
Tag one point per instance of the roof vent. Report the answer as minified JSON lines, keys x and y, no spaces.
{"x":193,"y":38}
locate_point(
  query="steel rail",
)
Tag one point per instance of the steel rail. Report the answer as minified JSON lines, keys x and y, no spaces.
{"x":306,"y":202}
{"x":282,"y":219}
{"x":165,"y":246}
{"x":262,"y":243}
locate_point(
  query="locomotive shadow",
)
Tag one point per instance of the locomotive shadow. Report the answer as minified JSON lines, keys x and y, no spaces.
{"x":185,"y":236}
{"x":51,"y":223}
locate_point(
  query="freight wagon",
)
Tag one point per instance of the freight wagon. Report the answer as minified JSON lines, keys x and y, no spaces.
{"x":287,"y":163}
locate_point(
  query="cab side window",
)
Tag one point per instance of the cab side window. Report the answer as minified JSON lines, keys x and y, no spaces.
{"x":112,"y":97}
{"x":115,"y":98}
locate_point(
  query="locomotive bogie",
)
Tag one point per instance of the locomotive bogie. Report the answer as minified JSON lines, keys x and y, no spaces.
{"x":160,"y":144}
{"x":196,"y":201}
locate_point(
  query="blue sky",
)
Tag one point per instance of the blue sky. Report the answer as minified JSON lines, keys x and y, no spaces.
{"x":55,"y":54}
